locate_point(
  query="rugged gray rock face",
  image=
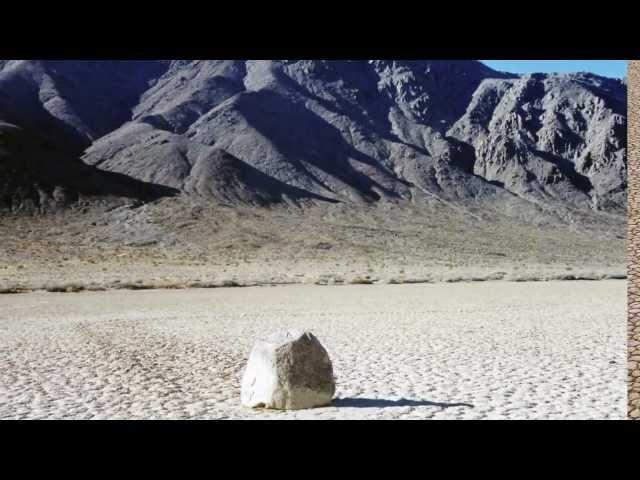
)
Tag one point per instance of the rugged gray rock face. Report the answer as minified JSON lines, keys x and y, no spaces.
{"x":550,"y":137}
{"x":259,"y":132}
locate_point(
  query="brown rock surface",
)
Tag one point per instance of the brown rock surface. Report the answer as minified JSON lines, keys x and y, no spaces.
{"x":634,"y":238}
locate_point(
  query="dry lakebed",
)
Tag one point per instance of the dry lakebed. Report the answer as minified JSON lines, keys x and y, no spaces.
{"x":488,"y":350}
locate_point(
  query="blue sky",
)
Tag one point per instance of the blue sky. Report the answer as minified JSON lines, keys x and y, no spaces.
{"x":606,"y":68}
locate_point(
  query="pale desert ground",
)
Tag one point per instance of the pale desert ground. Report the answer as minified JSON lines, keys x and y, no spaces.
{"x":483,"y":350}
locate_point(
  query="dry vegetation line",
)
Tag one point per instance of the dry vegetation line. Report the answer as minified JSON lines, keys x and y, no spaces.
{"x":634,"y":239}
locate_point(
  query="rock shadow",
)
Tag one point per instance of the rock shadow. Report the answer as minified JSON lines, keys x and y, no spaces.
{"x":383,"y":403}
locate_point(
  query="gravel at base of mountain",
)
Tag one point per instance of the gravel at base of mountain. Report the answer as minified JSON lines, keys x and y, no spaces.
{"x":178,"y":243}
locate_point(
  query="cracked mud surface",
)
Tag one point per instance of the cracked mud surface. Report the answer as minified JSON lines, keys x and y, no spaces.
{"x":467,"y":350}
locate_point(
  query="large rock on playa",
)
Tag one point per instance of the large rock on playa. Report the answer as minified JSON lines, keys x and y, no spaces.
{"x":288,"y":371}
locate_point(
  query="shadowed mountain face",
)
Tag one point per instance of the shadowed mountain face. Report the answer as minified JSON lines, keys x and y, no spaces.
{"x":258,"y":132}
{"x":72,"y":103}
{"x":36,"y":176}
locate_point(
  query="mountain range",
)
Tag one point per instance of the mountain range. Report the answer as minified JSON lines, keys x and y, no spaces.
{"x":244,"y":132}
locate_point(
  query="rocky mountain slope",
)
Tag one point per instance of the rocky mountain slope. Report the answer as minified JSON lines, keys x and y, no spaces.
{"x":550,"y":137}
{"x":259,"y":132}
{"x":36,"y":176}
